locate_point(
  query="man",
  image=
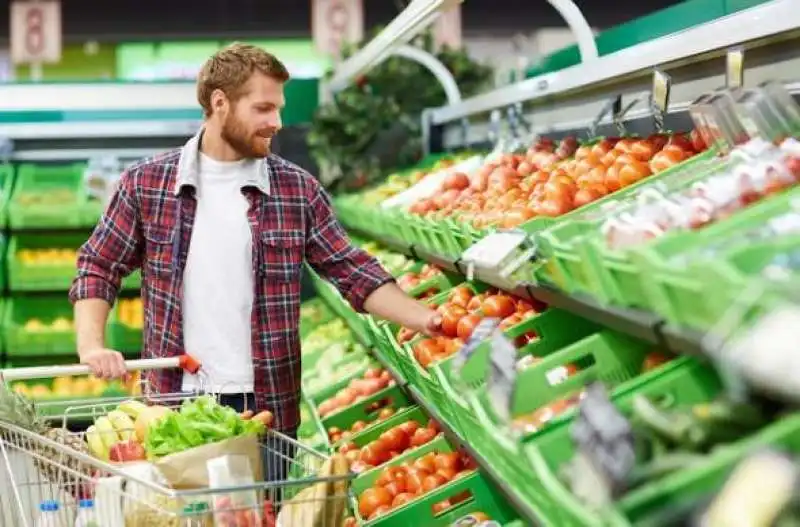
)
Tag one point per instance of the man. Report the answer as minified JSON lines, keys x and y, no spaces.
{"x":220,"y":229}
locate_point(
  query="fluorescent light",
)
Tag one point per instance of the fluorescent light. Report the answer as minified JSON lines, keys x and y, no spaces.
{"x":411,"y":22}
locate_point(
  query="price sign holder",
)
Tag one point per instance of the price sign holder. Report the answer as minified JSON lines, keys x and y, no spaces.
{"x":501,"y":257}
{"x":501,"y":382}
{"x":611,"y":107}
{"x":605,"y":448}
{"x":482,"y":331}
{"x":734,"y":68}
{"x":659,"y":98}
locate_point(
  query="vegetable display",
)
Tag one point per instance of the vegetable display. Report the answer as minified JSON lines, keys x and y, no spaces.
{"x":374,"y":380}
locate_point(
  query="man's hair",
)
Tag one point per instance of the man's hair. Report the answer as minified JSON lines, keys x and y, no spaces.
{"x":230,"y":68}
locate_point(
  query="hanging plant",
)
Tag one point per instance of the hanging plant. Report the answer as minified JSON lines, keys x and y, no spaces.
{"x":373,"y":126}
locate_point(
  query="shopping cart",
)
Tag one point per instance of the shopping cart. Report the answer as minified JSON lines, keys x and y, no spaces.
{"x":50,"y":468}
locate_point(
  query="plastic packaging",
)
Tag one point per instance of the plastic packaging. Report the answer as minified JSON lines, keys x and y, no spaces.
{"x":50,"y":515}
{"x":230,"y":508}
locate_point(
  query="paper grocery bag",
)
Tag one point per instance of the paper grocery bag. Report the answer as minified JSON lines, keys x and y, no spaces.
{"x":187,"y":470}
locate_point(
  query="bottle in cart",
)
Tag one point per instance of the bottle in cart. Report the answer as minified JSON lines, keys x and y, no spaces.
{"x":86,"y":514}
{"x":50,"y":515}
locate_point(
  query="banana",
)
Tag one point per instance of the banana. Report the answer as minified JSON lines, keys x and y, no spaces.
{"x":96,"y":445}
{"x":106,"y":431}
{"x":123,"y":424}
{"x":132,"y":408}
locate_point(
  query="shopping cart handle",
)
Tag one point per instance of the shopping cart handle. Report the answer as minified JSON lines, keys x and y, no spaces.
{"x":184,"y":362}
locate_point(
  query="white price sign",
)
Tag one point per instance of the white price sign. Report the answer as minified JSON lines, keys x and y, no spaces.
{"x":35,"y":31}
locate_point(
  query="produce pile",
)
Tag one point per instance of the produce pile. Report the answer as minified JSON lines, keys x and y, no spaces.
{"x":551,"y":180}
{"x":371,"y":382}
{"x":135,"y":431}
{"x":67,"y":388}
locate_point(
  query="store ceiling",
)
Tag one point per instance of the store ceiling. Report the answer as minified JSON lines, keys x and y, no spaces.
{"x":161,"y":19}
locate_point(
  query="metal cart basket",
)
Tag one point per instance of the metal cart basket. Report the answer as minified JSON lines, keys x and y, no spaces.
{"x":49,"y":470}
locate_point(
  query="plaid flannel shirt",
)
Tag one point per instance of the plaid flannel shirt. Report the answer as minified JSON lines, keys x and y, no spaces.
{"x":148,"y":225}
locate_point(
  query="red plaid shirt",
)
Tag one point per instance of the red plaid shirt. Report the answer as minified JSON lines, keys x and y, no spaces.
{"x":148,"y":224}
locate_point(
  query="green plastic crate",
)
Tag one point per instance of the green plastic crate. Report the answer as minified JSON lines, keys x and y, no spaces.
{"x":6,"y":186}
{"x":49,"y":197}
{"x":25,"y":337}
{"x":679,"y":291}
{"x":311,"y":431}
{"x":366,"y":409}
{"x":120,"y":336}
{"x":686,"y":381}
{"x":42,"y":263}
{"x":346,"y":370}
{"x":420,"y":511}
{"x":606,"y":356}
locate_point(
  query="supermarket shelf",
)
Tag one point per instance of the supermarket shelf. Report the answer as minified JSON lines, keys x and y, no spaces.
{"x":769,"y":21}
{"x":637,"y":323}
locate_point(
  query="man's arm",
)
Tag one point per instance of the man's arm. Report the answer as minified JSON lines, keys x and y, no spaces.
{"x":357,"y":275}
{"x":112,"y":252}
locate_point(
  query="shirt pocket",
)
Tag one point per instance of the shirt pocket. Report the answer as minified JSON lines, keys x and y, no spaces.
{"x":159,"y":249}
{"x":282,"y":256}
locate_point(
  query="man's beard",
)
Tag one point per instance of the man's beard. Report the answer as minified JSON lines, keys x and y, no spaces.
{"x":248,"y":146}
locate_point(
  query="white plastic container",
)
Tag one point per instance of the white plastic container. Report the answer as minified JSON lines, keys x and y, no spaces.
{"x":86,"y":514}
{"x":50,"y":515}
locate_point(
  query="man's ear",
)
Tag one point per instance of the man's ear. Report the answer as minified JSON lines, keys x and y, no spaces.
{"x":219,"y":101}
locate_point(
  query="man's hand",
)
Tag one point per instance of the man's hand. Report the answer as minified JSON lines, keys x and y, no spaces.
{"x":433,"y":325}
{"x":105,"y":363}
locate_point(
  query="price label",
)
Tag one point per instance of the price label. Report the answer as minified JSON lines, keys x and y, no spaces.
{"x":502,"y":374}
{"x":36,"y":32}
{"x":482,"y":331}
{"x":659,"y":99}
{"x":604,"y":440}
{"x":734,"y":68}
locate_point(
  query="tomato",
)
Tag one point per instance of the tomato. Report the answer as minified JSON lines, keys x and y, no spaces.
{"x":450,"y":317}
{"x":372,"y":454}
{"x":433,"y":425}
{"x":475,"y":302}
{"x":526,"y":168}
{"x":585,"y":196}
{"x":395,"y":439}
{"x":633,"y":172}
{"x":643,"y":150}
{"x":414,"y":480}
{"x":440,"y":507}
{"x":350,"y":522}
{"x":372,"y":499}
{"x":347,"y":447}
{"x":409,"y":427}
{"x":625,"y":145}
{"x":601,"y":148}
{"x":385,"y":413}
{"x":398,"y":485}
{"x":401,"y":499}
{"x":665,"y":159}
{"x":425,"y":464}
{"x":681,"y":142}
{"x":610,"y":158}
{"x":654,"y":360}
{"x":467,"y":325}
{"x":583,"y":152}
{"x":698,"y":143}
{"x":658,"y":140}
{"x":517,"y":216}
{"x":432,"y":481}
{"x":449,"y":460}
{"x":456,"y":181}
{"x":460,"y":296}
{"x":405,"y":335}
{"x":422,"y":436}
{"x":498,"y":306}
{"x":553,"y":208}
{"x":503,"y":179}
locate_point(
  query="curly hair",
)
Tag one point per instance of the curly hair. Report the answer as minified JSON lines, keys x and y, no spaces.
{"x":230,"y":68}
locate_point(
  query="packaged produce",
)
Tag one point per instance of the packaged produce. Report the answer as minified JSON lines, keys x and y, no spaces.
{"x":234,"y":509}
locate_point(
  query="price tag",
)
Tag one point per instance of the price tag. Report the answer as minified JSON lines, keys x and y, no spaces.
{"x":482,"y":331}
{"x":734,"y":68}
{"x":604,"y":442}
{"x":502,"y":374}
{"x":659,"y":99}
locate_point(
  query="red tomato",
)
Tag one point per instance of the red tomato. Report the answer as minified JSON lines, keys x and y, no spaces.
{"x":450,"y":317}
{"x":449,"y":460}
{"x":442,"y":506}
{"x":585,"y":196}
{"x":372,"y":499}
{"x":414,"y":480}
{"x":422,"y":436}
{"x":383,"y":509}
{"x":680,"y":141}
{"x":633,"y":172}
{"x":498,"y":306}
{"x":467,"y":325}
{"x":456,"y":181}
{"x":460,"y":296}
{"x":654,"y":359}
{"x":401,"y":499}
{"x":643,"y":150}
{"x":432,"y":482}
{"x":409,"y":427}
{"x":395,"y":439}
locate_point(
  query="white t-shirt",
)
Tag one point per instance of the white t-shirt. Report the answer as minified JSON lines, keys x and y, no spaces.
{"x":218,"y":279}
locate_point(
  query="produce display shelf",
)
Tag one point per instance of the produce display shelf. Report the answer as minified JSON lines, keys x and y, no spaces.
{"x":637,"y":323}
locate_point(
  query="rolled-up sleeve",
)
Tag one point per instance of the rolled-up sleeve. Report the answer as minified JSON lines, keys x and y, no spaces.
{"x":330,"y":252}
{"x":113,"y":251}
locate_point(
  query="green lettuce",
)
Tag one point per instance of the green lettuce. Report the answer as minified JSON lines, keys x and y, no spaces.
{"x":198,"y":422}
